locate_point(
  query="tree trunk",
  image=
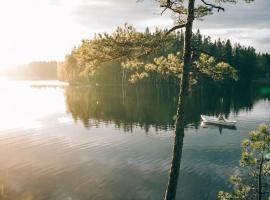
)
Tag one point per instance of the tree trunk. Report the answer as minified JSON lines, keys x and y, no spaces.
{"x":260,"y":178}
{"x":179,"y":125}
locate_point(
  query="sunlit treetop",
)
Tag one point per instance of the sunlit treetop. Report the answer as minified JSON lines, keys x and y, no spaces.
{"x":145,"y":53}
{"x":142,"y":54}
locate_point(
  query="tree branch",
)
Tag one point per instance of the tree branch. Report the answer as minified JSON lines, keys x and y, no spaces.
{"x":169,"y":5}
{"x":213,"y":6}
{"x":176,"y":27}
{"x":163,"y":10}
{"x":202,"y":51}
{"x":207,"y":53}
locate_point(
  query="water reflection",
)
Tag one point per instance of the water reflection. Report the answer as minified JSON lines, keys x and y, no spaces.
{"x":148,"y":107}
{"x":152,"y":106}
{"x":90,"y":153}
{"x":220,"y":127}
{"x":143,"y":107}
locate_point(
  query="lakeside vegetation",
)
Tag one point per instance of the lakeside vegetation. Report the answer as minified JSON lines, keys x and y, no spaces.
{"x":158,"y":56}
{"x":83,"y":66}
{"x":252,"y":182}
{"x":130,"y":123}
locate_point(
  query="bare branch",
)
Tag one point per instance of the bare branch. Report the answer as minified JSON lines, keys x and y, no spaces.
{"x":170,"y":8}
{"x":193,"y":49}
{"x":171,"y":5}
{"x":213,"y":6}
{"x":175,"y":28}
{"x":201,"y":51}
{"x":164,"y":10}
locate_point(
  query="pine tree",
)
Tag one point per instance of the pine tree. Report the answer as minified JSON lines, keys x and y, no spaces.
{"x":228,"y":52}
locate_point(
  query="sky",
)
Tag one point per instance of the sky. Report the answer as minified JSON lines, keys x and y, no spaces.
{"x":40,"y":30}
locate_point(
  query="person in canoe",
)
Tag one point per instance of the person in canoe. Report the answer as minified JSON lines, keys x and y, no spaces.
{"x":221,"y":118}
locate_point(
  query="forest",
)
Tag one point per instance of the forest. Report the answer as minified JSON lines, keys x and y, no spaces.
{"x":83,"y":64}
{"x":38,"y":70}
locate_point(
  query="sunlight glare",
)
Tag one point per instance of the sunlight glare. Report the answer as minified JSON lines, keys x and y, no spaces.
{"x":22,"y":106}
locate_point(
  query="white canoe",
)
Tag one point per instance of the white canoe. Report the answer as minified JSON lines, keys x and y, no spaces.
{"x":215,"y":120}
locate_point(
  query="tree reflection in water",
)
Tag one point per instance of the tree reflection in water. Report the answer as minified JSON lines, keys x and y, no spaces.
{"x":154,"y":106}
{"x":151,"y":106}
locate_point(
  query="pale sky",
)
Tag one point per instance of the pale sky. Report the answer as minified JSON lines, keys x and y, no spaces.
{"x":49,"y":29}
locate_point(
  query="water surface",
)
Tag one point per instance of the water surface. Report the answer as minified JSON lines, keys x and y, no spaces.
{"x":108,"y":142}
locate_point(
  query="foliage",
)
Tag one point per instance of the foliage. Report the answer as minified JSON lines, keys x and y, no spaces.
{"x":123,"y":43}
{"x":156,"y":56}
{"x":208,"y":66}
{"x":254,"y":182}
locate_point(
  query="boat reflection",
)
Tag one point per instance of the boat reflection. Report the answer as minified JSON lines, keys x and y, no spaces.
{"x":220,"y":127}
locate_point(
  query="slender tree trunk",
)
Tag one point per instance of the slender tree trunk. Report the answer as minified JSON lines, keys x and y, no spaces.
{"x":179,"y":129}
{"x":123,"y":89}
{"x":260,"y":179}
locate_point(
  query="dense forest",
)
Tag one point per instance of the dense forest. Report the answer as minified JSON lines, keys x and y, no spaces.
{"x":82,"y":66}
{"x":79,"y":66}
{"x":39,"y":70}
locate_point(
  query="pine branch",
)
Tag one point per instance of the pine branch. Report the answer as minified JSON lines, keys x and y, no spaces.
{"x":193,"y":49}
{"x":171,"y":5}
{"x":213,"y":6}
{"x":175,"y":28}
{"x":163,"y":10}
{"x":201,"y":51}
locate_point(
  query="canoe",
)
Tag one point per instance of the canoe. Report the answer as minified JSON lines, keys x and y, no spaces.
{"x":215,"y":120}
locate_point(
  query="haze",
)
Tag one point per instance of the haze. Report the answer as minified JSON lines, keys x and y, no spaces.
{"x":49,"y":29}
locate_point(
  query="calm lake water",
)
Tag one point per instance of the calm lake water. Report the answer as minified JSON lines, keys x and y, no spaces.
{"x":60,"y":142}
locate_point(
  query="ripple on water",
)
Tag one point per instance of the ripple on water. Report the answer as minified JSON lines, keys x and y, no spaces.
{"x":65,"y":160}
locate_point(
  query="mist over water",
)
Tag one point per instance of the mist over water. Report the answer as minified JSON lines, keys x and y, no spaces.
{"x":109,"y":142}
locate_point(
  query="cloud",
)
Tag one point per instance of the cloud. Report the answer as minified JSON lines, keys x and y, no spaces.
{"x":247,"y":23}
{"x":48,"y":29}
{"x":241,"y":15}
{"x":258,"y":38}
{"x":110,"y":14}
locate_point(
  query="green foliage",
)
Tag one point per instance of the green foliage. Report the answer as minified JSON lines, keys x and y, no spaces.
{"x":122,"y":44}
{"x":219,"y":71}
{"x":256,"y":165}
{"x":171,"y":65}
{"x":263,"y":66}
{"x":156,"y":56}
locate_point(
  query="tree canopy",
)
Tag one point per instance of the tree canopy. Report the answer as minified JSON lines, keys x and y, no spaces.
{"x":155,"y":55}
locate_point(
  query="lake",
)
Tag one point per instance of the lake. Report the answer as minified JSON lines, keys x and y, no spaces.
{"x":60,"y":142}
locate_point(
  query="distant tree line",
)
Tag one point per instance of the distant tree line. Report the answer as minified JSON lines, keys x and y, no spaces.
{"x":80,"y":67}
{"x":43,"y":70}
{"x":249,"y":64}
